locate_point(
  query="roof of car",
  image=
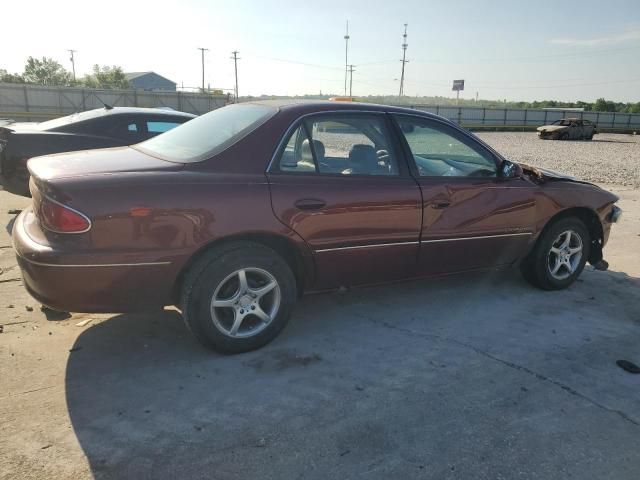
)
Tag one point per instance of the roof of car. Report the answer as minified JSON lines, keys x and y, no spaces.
{"x":148,"y":111}
{"x":310,"y":106}
{"x":94,"y":114}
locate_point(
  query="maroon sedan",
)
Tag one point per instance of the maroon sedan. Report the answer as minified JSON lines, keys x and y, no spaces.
{"x":234,"y":214}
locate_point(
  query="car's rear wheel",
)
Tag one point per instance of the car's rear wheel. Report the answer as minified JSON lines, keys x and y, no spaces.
{"x":238,"y":297}
{"x":564,"y":136}
{"x":17,"y":181}
{"x":559,"y":255}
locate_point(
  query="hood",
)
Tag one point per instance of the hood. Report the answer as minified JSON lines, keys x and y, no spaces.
{"x":552,"y":128}
{"x":545,"y":175}
{"x":100,"y":161}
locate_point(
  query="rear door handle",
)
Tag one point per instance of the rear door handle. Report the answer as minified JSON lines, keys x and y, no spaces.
{"x":310,"y":204}
{"x":441,"y":205}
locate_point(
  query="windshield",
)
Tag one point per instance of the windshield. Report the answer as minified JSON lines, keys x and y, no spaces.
{"x":207,"y":135}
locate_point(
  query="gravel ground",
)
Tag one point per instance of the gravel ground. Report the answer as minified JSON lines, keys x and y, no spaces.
{"x":608,"y":158}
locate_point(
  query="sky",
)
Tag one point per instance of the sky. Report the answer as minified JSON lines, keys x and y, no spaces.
{"x":513,"y":50}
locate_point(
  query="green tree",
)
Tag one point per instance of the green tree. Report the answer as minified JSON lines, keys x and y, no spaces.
{"x":45,"y":72}
{"x":603,"y":105}
{"x":106,"y":77}
{"x":6,"y":77}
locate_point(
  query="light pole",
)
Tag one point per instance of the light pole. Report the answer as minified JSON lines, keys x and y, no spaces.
{"x":404,"y":60}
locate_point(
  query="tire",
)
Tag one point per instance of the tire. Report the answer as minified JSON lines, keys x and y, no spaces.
{"x":17,"y":182}
{"x":256,"y":317}
{"x":564,"y":136}
{"x":538,"y":268}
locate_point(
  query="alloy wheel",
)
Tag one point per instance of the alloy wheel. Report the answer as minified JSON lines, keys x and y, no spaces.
{"x":245,"y":302}
{"x":565,"y":255}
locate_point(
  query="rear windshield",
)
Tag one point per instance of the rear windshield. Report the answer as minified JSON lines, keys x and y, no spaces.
{"x":208,"y":134}
{"x":76,"y":117}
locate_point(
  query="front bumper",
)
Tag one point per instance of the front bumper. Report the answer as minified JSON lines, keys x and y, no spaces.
{"x":91,"y":283}
{"x":616,"y":213}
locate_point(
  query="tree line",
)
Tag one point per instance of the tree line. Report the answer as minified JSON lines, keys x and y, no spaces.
{"x":600,"y":105}
{"x":47,"y":71}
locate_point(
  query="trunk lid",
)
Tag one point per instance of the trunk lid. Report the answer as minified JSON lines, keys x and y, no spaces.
{"x":97,"y":162}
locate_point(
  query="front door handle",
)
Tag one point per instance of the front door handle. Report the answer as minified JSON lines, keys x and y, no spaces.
{"x":310,"y":204}
{"x":441,"y":205}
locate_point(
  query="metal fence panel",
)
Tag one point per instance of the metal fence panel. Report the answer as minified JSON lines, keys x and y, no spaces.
{"x":38,"y":102}
{"x":528,"y":117}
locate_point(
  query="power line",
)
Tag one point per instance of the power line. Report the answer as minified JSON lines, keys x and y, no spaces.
{"x":404,"y":60}
{"x":297,"y":62}
{"x":203,"y":50}
{"x":235,"y":66}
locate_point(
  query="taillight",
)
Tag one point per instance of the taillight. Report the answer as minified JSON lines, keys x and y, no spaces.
{"x":58,"y":218}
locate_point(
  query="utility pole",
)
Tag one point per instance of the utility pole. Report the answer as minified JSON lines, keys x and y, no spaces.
{"x":73,"y":64}
{"x":346,"y":57}
{"x":351,"y":70}
{"x":203,"y":50}
{"x":404,"y":59}
{"x":235,"y":66}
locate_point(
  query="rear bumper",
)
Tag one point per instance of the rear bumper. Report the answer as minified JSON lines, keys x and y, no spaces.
{"x":90,"y":283}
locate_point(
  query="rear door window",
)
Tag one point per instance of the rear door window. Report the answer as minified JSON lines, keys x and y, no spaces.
{"x":351,"y":144}
{"x":155,"y":127}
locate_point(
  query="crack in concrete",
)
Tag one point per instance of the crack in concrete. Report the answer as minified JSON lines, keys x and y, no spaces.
{"x":515,"y":366}
{"x":10,"y":280}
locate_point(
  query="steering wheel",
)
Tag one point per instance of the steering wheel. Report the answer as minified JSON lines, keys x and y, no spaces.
{"x":384,"y":160}
{"x":383,"y":155}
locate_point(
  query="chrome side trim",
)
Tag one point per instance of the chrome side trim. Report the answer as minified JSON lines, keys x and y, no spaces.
{"x":377,"y":245}
{"x":476,"y":238}
{"x":355,"y":247}
{"x":142,"y":264}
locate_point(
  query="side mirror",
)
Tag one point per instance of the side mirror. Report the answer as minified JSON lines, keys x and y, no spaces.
{"x":510,"y":170}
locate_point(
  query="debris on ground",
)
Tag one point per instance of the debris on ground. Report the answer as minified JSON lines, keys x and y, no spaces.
{"x":84,"y":322}
{"x":75,"y":349}
{"x":52,"y":314}
{"x":1,"y":328}
{"x":14,"y":211}
{"x":628,"y":366}
{"x":28,"y":308}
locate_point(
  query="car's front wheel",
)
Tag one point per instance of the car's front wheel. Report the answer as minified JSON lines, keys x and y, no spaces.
{"x":238,"y":297}
{"x":559,"y":255}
